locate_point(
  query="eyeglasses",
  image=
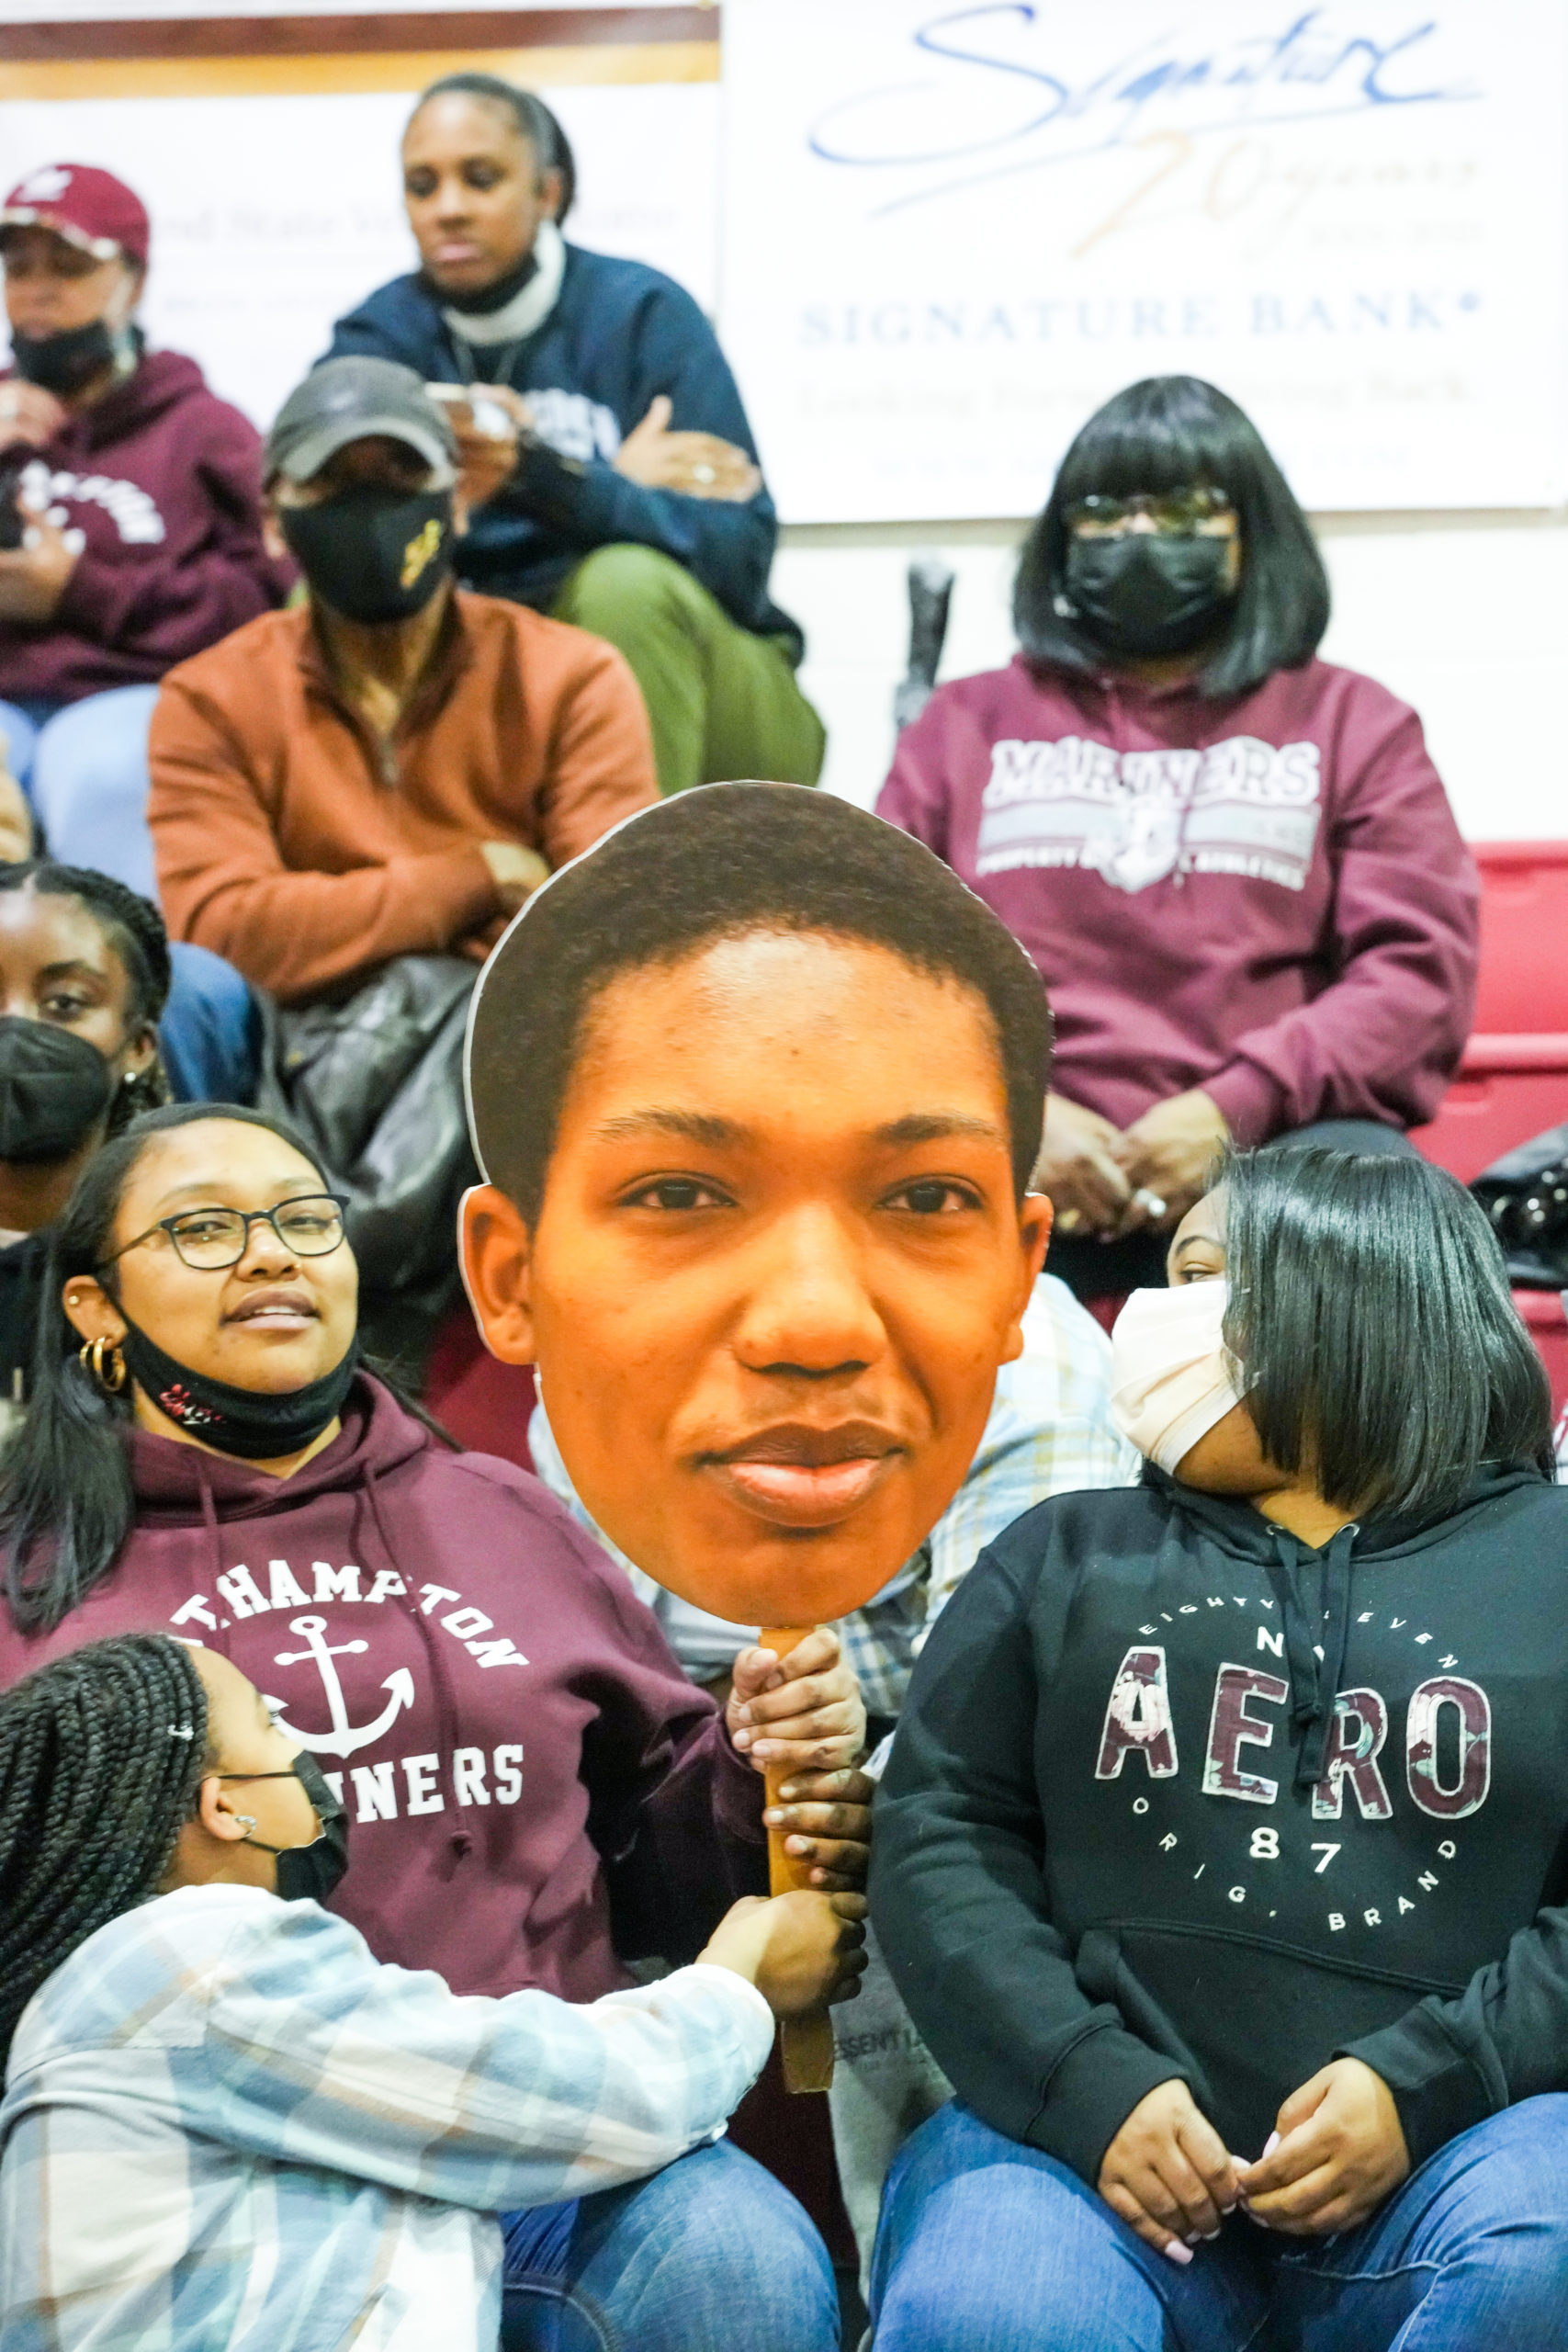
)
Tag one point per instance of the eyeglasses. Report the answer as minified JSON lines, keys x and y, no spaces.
{"x":1175,"y":513}
{"x":210,"y":1239}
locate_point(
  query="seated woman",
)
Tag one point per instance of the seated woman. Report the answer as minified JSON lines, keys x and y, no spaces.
{"x":84,"y":980}
{"x":540,"y":1795}
{"x":1221,"y":1856}
{"x":288,"y":2142}
{"x":1235,"y":865}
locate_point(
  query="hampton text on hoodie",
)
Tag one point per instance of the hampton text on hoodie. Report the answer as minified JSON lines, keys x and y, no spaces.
{"x":535,"y":1791}
{"x":161,"y":481}
{"x":1265,"y":897}
{"x":1174,"y":1795}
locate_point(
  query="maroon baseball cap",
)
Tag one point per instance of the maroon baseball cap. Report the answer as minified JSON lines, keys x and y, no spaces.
{"x":88,"y":208}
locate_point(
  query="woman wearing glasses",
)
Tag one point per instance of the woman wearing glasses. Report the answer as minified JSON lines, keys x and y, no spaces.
{"x":1234,"y":864}
{"x":537,"y":1794}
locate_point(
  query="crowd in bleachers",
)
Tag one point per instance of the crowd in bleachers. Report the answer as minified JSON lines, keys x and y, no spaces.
{"x":982,"y":1236}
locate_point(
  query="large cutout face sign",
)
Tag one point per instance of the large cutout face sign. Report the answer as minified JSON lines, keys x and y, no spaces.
{"x":774,"y":1263}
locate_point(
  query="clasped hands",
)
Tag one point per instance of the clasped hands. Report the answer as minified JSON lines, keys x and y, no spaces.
{"x":1109,"y":1182}
{"x":698,"y":465}
{"x":802,"y":1714}
{"x":1338,"y":2152}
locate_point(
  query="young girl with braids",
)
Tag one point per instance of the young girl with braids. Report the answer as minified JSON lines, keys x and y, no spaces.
{"x":225,"y":2124}
{"x":83,"y":978}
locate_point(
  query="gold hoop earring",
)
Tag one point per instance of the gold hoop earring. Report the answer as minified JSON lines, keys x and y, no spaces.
{"x":110,"y":1377}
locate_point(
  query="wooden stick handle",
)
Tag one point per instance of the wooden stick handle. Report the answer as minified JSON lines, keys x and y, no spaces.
{"x":806,"y":2044}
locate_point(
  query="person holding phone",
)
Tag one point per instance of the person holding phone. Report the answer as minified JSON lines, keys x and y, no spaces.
{"x":607,"y":454}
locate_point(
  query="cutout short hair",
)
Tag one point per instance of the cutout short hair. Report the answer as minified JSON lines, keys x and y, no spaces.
{"x":1178,"y":433}
{"x":1369,"y":1306}
{"x":716,"y":862}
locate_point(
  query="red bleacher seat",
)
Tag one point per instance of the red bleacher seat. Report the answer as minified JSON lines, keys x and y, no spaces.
{"x":1513,"y":1081}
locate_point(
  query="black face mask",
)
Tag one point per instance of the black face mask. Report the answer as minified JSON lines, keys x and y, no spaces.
{"x":1145,"y":594}
{"x":313,"y":1873}
{"x":65,"y":363}
{"x":373,"y":555}
{"x":246,"y":1422}
{"x":54,"y":1088}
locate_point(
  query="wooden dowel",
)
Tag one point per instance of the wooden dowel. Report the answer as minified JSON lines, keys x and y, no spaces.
{"x":806,"y":2044}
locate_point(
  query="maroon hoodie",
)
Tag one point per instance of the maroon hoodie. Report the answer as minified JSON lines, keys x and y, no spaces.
{"x":1265,"y":897}
{"x":163,"y":479}
{"x":520,"y":1754}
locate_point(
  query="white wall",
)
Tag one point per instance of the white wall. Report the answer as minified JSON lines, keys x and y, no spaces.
{"x":1465,"y":615}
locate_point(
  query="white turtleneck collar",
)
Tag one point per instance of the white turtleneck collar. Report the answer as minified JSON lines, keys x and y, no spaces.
{"x":529,"y":307}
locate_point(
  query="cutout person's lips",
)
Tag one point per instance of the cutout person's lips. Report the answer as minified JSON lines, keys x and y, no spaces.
{"x":798,"y":1475}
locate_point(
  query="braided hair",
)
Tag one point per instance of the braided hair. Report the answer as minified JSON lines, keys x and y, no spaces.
{"x":102,"y":1756}
{"x":134,"y":931}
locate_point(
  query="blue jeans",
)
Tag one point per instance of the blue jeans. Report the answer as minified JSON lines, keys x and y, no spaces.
{"x":987,"y":2247}
{"x":84,"y":767}
{"x":210,"y":1036}
{"x":711,"y":2254}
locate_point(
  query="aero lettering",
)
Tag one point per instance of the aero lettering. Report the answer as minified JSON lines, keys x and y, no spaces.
{"x":1138,"y":1719}
{"x":1355,"y":1743}
{"x":1231,"y":1728}
{"x":1447,"y":1762}
{"x":1423,"y":1726}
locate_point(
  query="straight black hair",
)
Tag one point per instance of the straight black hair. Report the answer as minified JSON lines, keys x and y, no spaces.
{"x":1371,"y":1311}
{"x":66,"y":1501}
{"x":1178,"y":433}
{"x":715,"y":863}
{"x":102,"y":1754}
{"x":533,"y":119}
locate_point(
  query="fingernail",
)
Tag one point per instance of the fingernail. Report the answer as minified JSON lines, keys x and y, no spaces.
{"x":1232,"y":2206}
{"x":789,"y":1790}
{"x":741,"y":1738}
{"x":1177,"y":2252}
{"x":1273,"y":2143}
{"x":1209,"y":2237}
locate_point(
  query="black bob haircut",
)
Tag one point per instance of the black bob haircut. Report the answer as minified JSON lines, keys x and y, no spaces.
{"x":716,"y":862}
{"x":1178,"y":433}
{"x":1369,"y":1308}
{"x":532,"y":118}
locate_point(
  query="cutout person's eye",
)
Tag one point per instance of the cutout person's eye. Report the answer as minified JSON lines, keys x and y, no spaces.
{"x":677,"y":1194}
{"x":935,"y":1196}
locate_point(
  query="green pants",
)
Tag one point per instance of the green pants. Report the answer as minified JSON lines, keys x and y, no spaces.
{"x":721,"y":703}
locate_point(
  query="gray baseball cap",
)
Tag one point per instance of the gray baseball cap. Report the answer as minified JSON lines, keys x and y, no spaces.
{"x":348,"y":399}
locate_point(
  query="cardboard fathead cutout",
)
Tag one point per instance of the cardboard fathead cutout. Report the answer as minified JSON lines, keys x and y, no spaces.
{"x":733,"y":904}
{"x":756,"y":1086}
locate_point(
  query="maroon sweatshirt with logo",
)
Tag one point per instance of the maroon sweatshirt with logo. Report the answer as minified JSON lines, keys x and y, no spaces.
{"x":163,"y":481}
{"x":535,"y":1793}
{"x":1265,"y":897}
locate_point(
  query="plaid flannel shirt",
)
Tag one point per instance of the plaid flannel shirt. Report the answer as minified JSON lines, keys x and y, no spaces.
{"x":1050,"y":1432}
{"x":226,"y":2124}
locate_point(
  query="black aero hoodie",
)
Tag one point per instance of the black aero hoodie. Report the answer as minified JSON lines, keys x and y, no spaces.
{"x":1174,"y":1795}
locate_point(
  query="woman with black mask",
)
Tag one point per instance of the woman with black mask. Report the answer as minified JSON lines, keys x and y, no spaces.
{"x":538,"y":1795}
{"x":1234,"y":864}
{"x":83,"y":978}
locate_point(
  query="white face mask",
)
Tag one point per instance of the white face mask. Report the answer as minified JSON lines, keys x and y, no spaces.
{"x":1171,"y":1379}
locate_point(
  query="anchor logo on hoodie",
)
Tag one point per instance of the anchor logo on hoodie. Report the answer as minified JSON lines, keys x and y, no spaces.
{"x":343,"y":1738}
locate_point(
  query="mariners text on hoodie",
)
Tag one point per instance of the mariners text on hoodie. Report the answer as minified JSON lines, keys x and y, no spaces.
{"x":1174,"y":1795}
{"x":1264,"y":897}
{"x":160,"y":482}
{"x":535,"y":1793}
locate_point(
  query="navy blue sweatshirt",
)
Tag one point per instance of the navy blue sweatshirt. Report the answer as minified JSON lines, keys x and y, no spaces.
{"x":618,"y":335}
{"x":1173,"y":1795}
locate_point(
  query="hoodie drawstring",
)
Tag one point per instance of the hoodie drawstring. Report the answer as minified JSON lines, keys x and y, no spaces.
{"x":446,"y":1705}
{"x":210,"y":1521}
{"x":1314,"y":1654}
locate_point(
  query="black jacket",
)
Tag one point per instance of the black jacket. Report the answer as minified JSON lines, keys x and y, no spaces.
{"x":1125,"y":1835}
